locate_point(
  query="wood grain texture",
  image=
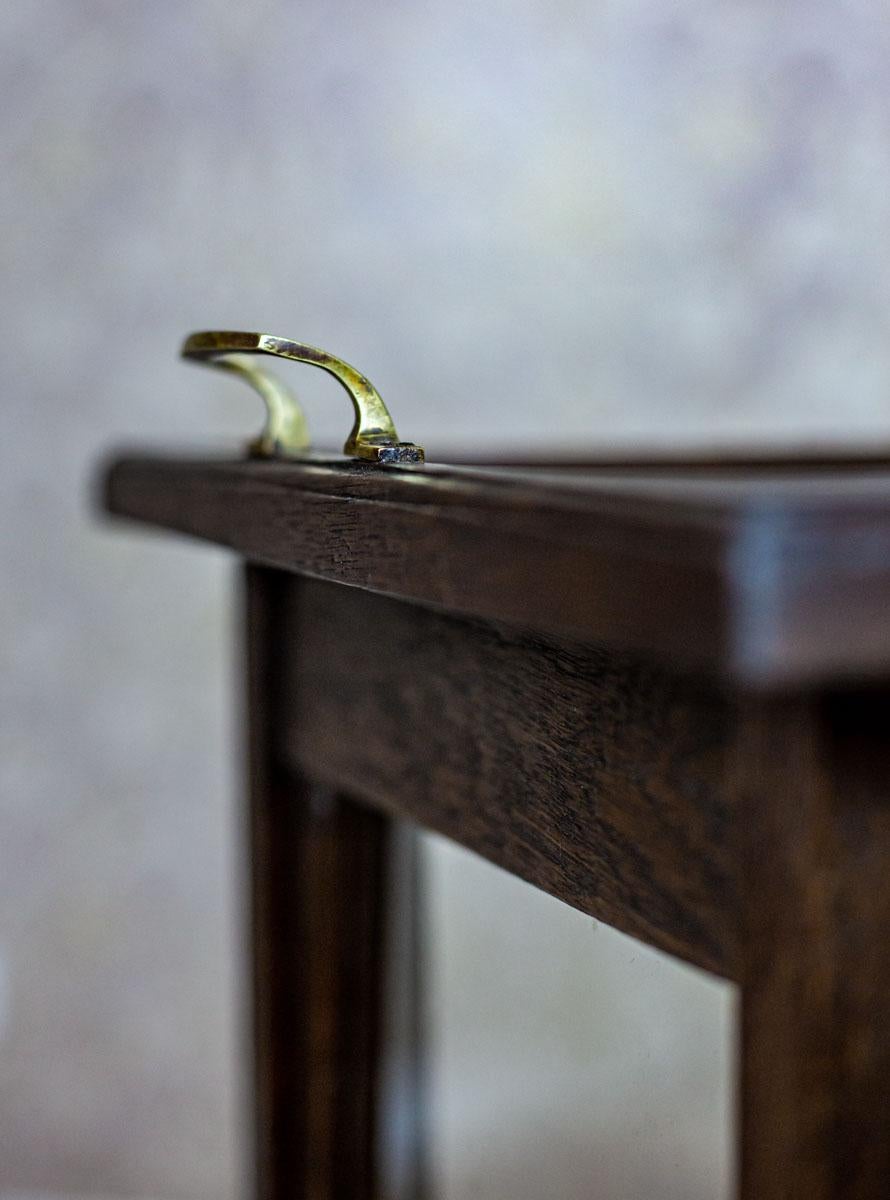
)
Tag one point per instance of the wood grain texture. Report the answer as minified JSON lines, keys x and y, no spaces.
{"x":591,"y":776}
{"x":768,"y":579}
{"x":492,"y":552}
{"x":814,"y":849}
{"x":692,"y":765}
{"x":319,"y":866}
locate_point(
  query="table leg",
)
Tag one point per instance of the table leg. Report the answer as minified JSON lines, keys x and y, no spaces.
{"x":320,"y":881}
{"x":815,"y":1075}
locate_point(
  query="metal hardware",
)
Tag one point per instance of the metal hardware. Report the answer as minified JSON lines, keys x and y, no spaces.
{"x":373,"y":436}
{"x":285,"y":434}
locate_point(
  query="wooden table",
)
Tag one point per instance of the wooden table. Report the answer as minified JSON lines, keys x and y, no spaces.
{"x":658,"y":694}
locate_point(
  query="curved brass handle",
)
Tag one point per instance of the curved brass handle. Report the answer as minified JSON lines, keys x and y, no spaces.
{"x":285,"y":433}
{"x":373,"y":436}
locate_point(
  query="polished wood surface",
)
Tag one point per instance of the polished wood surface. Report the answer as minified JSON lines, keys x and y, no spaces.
{"x":661,"y":694}
{"x":769,"y":577}
{"x":596,"y":777}
{"x":813,"y":839}
{"x":322,"y":890}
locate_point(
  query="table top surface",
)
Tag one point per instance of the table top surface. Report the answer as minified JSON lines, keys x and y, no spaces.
{"x":769,"y":573}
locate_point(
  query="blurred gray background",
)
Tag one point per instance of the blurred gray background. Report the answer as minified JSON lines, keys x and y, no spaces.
{"x":635,"y":222}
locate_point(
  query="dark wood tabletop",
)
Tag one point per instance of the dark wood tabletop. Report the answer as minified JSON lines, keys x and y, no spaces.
{"x":770,"y":575}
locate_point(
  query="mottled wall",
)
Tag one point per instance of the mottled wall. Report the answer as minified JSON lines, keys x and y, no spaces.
{"x":615,"y":221}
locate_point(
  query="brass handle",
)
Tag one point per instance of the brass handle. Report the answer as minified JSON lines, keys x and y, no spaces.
{"x":373,"y":436}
